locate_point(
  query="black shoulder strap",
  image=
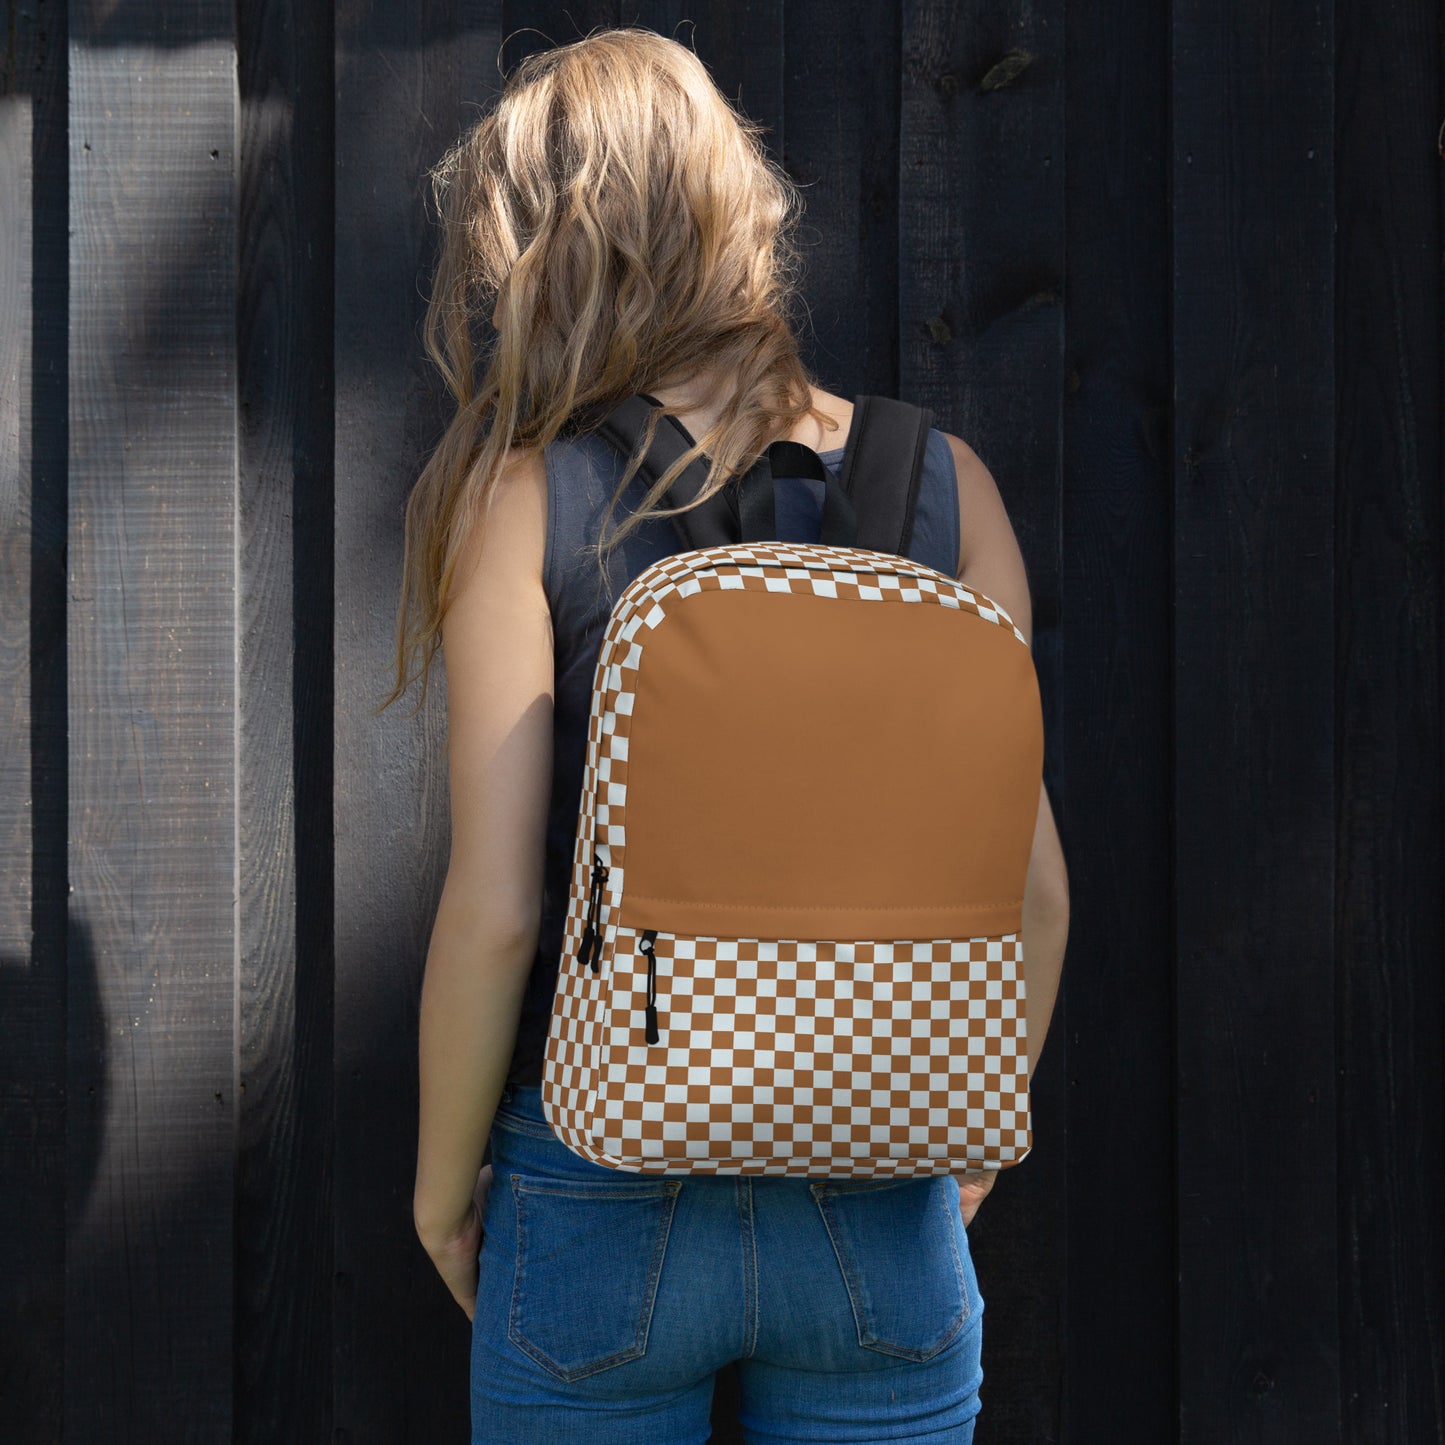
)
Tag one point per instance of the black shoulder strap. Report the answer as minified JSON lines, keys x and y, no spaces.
{"x":712,"y":524}
{"x":881,"y":472}
{"x":883,"y":469}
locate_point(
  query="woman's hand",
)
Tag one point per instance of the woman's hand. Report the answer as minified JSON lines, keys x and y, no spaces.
{"x":971,"y":1190}
{"x":455,"y":1253}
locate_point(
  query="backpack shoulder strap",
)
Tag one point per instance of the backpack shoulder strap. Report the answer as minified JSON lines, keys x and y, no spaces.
{"x":715,"y":521}
{"x":881,"y":473}
{"x":883,"y":469}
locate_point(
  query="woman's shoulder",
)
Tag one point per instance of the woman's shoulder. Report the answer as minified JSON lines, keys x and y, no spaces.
{"x":508,"y":529}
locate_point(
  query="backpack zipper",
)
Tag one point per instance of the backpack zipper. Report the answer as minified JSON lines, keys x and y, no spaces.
{"x":649,"y":936}
{"x":587,"y":954}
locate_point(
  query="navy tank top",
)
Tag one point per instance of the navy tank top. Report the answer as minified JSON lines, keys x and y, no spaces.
{"x":583,"y":471}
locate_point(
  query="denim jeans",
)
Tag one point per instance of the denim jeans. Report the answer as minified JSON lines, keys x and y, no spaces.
{"x":608,"y":1300}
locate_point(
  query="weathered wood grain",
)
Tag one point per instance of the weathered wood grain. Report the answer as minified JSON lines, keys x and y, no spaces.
{"x":1388,"y":637}
{"x":1115,"y":733}
{"x":33,"y":381}
{"x":284,"y":1039}
{"x":151,"y":647}
{"x":1255,"y":739}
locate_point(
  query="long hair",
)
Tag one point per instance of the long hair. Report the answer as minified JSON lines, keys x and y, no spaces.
{"x":627,"y":227}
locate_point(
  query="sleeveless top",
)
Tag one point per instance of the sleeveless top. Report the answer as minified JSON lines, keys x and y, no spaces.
{"x":583,"y":470}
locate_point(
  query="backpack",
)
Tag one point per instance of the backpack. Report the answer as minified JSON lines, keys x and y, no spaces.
{"x":794,"y":935}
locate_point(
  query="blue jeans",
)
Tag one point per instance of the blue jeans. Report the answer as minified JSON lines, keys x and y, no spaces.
{"x":608,"y":1301}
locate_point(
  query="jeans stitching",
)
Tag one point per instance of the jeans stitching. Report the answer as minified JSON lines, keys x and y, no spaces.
{"x":622,"y":1189}
{"x":668,"y":1193}
{"x":956,"y":1223}
{"x":866,"y":1337}
{"x":747,"y":1218}
{"x":820,"y":1196}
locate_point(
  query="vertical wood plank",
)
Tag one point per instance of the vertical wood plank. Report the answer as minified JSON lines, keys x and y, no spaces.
{"x":1117,"y":732}
{"x":16,"y":222}
{"x":152,"y":624}
{"x":1255,"y":740}
{"x":31,"y":1185}
{"x":33,"y":737}
{"x":407,"y":81}
{"x":845,"y":156}
{"x":1388,"y":589}
{"x":980,"y":291}
{"x":284,"y":1028}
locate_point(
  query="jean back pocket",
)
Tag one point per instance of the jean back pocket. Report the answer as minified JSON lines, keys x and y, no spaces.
{"x":897,"y":1246}
{"x":589,"y":1257}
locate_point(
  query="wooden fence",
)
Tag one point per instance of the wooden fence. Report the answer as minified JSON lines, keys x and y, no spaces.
{"x":1219,"y":442}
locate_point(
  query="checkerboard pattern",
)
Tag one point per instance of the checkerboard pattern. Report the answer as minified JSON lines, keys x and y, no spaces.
{"x":794,"y":1057}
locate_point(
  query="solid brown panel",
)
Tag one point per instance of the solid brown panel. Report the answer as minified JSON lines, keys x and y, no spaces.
{"x":876,"y":776}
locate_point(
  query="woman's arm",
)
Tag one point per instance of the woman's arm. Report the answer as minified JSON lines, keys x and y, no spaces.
{"x":497,"y":645}
{"x":990,"y":560}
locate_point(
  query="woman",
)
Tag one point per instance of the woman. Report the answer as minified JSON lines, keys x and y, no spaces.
{"x":623,"y":229}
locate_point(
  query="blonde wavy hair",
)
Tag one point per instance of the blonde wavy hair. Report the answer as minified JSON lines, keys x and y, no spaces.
{"x":626,"y":226}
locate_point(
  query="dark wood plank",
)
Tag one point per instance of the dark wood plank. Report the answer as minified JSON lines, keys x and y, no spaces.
{"x":1255,"y":739}
{"x":33,"y":737}
{"x":1388,"y":680}
{"x":1115,"y":735}
{"x":150,"y":1106}
{"x":408,"y":79}
{"x":981,"y":226}
{"x":284,"y":1198}
{"x":845,"y":157}
{"x":16,"y":222}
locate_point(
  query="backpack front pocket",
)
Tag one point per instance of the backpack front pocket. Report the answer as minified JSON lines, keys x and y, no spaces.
{"x":589,"y":1257}
{"x":747,"y":1055}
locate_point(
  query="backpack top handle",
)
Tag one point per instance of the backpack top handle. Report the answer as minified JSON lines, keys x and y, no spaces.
{"x":793,"y":459}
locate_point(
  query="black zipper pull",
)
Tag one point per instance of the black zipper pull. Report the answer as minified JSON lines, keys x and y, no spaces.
{"x":649,"y":935}
{"x":591,"y":947}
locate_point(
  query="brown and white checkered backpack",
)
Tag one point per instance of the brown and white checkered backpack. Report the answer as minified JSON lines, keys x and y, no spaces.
{"x":794,"y":938}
